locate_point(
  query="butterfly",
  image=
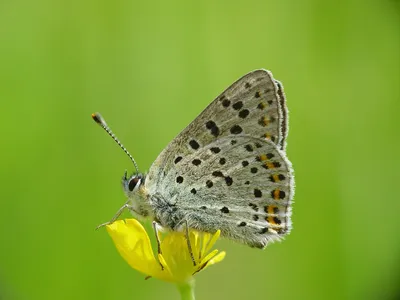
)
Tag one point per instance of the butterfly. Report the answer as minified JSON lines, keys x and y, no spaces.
{"x":227,"y":170}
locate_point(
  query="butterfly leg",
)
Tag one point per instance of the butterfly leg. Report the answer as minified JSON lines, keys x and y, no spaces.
{"x":116,"y":216}
{"x":189,"y":244}
{"x":156,"y":228}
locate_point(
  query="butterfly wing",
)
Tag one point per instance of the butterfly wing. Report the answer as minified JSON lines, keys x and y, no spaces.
{"x":226,"y":170}
{"x":254,"y":104}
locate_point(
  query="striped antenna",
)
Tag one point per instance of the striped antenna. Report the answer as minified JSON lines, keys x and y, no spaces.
{"x":99,"y":120}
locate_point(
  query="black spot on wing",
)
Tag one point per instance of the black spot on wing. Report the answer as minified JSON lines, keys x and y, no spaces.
{"x":225,"y":210}
{"x":194,"y":144}
{"x":236,"y":129}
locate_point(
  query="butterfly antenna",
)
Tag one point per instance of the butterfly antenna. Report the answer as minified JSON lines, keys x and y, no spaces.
{"x":99,"y":120}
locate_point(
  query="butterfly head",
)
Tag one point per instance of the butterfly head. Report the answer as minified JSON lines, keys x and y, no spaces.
{"x":133,"y":183}
{"x":135,"y":192}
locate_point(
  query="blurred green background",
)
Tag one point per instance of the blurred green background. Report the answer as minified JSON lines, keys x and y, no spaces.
{"x":150,"y":68}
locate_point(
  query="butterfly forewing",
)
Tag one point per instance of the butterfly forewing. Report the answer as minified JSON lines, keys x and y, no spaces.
{"x":226,"y":170}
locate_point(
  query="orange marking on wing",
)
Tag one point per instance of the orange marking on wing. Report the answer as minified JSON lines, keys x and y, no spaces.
{"x":271,"y":209}
{"x":265,"y":121}
{"x":276,"y":194}
{"x":269,"y":165}
{"x":263,"y":157}
{"x":271,"y":220}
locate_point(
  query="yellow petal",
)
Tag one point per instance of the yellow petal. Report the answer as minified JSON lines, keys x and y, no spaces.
{"x":174,"y":263}
{"x":214,"y":238}
{"x":195,"y":244}
{"x":133,"y":243}
{"x":216,"y":259}
{"x":175,"y":251}
{"x":206,"y":240}
{"x":166,"y":274}
{"x":209,"y":256}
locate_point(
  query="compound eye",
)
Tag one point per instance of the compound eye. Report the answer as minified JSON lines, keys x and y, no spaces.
{"x":132,"y":183}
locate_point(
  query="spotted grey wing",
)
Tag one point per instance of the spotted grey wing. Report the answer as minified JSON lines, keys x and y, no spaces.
{"x":241,"y":185}
{"x":251,"y":110}
{"x":254,"y":104}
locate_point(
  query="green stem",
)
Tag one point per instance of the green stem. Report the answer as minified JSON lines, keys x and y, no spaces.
{"x":187,"y":290}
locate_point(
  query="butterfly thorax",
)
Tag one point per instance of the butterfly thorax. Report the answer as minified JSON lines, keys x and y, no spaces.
{"x":137,"y":197}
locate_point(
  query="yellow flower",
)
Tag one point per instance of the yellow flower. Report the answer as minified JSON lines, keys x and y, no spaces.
{"x":133,"y":244}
